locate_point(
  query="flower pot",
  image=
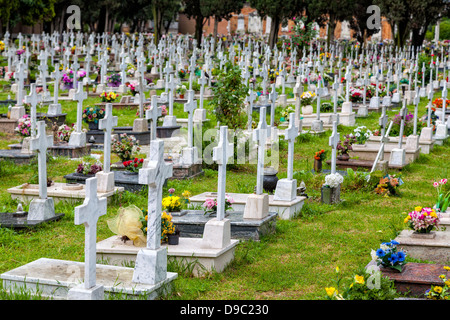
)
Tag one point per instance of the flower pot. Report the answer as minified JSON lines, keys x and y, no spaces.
{"x":330,"y":195}
{"x":317,"y":165}
{"x":270,"y":180}
{"x":343,"y":157}
{"x":173,"y":239}
{"x":181,"y":96}
{"x":93,"y":126}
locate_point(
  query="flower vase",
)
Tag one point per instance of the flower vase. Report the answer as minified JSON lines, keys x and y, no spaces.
{"x":93,"y":126}
{"x":317,"y":165}
{"x":181,"y":96}
{"x":173,"y":239}
{"x":343,"y":157}
{"x":330,"y":195}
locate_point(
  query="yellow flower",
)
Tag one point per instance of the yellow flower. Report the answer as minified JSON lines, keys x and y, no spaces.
{"x":337,"y":269}
{"x":437,"y":289}
{"x":359,"y":279}
{"x":407,"y":219}
{"x":447,"y":268}
{"x":331,"y":291}
{"x":442,"y":276}
{"x":418,"y":209}
{"x":447,"y":283}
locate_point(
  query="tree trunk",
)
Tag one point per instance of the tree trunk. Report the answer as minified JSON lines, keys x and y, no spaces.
{"x":274,"y":28}
{"x":216,"y":27}
{"x":199,"y":30}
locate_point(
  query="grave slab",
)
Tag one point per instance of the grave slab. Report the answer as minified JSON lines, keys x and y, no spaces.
{"x":58,"y":191}
{"x":121,"y":179}
{"x":285,"y":209}
{"x":192,"y":222}
{"x":19,"y":221}
{"x":114,"y":251}
{"x":53,"y":278}
{"x":436,"y":249}
{"x":415,"y":278}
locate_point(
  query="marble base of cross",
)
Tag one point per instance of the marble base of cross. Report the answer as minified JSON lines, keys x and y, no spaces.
{"x":189,"y":156}
{"x":199,"y":115}
{"x":169,"y":121}
{"x":41,"y":209}
{"x":398,"y":157}
{"x":216,"y":234}
{"x":105,"y":181}
{"x":77,"y":139}
{"x":257,"y":206}
{"x":317,"y":125}
{"x":151,"y":266}
{"x":17,"y":112}
{"x":140,"y":125}
{"x":81,"y":293}
{"x":54,"y":109}
{"x":286,"y":190}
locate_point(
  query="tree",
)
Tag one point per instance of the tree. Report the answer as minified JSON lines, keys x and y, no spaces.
{"x":412,"y":16}
{"x":326,"y":12}
{"x":163,"y":10}
{"x":358,"y":23}
{"x":194,"y":9}
{"x":279,"y":11}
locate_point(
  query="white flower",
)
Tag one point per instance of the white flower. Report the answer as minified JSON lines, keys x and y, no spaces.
{"x":333,"y":180}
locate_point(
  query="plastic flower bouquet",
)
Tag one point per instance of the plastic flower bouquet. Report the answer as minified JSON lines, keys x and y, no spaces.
{"x":181,"y":73}
{"x":124,"y":146}
{"x":345,"y":146}
{"x":210,"y":205}
{"x":167,"y":226}
{"x":320,"y":155}
{"x":362,"y":134}
{"x":133,"y":87}
{"x":356,"y":95}
{"x":67,"y":79}
{"x":24,"y":126}
{"x":113,"y":80}
{"x":88,"y":168}
{"x":93,"y":114}
{"x":307,"y":98}
{"x":333,"y":180}
{"x":423,"y":220}
{"x":388,"y":256}
{"x":172,"y":203}
{"x":441,"y":292}
{"x":81,"y":74}
{"x":286,"y":111}
{"x":388,"y":185}
{"x":443,"y":198}
{"x":133,"y":165}
{"x":64,"y":132}
{"x":108,"y":97}
{"x":181,"y":89}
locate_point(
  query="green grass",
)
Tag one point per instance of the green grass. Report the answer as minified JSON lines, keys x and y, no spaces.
{"x":297,"y":262}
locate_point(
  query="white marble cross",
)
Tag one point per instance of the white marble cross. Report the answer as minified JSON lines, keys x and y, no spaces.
{"x":403,"y":113}
{"x":202,"y":82}
{"x":273,"y":95}
{"x":189,"y":107}
{"x":40,"y":144}
{"x":20,"y":78}
{"x":107,"y":124}
{"x":333,"y":142}
{"x":221,"y":154}
{"x":260,"y":135}
{"x":290,"y":134}
{"x":154,"y":175}
{"x":56,"y":75}
{"x":152,"y":114}
{"x":33,"y":99}
{"x":88,"y":214}
{"x":416,"y":101}
{"x":383,"y":141}
{"x":79,"y":96}
{"x":250,"y":99}
{"x":383,"y":120}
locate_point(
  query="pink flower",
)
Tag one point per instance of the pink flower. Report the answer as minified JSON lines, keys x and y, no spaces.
{"x":435,"y":184}
{"x":443,"y":181}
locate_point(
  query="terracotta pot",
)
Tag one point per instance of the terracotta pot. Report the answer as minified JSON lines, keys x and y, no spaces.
{"x":343,"y":157}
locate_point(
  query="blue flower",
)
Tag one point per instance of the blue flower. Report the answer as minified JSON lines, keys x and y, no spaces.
{"x":393,"y":242}
{"x":380,"y":253}
{"x":401,"y":256}
{"x":393,"y":258}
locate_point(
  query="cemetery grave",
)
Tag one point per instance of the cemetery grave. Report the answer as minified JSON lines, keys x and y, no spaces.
{"x":228,"y":170}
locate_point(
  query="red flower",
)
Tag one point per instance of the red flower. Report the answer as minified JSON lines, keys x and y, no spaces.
{"x":141,"y":161}
{"x":135,"y":165}
{"x":135,"y":160}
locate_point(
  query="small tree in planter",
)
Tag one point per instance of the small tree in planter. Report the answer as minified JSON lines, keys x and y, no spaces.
{"x":229,"y":96}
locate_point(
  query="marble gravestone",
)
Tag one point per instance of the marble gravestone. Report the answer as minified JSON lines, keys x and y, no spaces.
{"x":257,"y":206}
{"x":151,"y":262}
{"x":88,"y":214}
{"x":106,"y":176}
{"x":286,"y":189}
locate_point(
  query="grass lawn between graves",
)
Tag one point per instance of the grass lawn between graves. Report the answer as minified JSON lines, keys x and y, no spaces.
{"x":297,"y":262}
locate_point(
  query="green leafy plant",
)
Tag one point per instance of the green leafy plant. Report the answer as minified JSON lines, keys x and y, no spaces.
{"x":229,"y":96}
